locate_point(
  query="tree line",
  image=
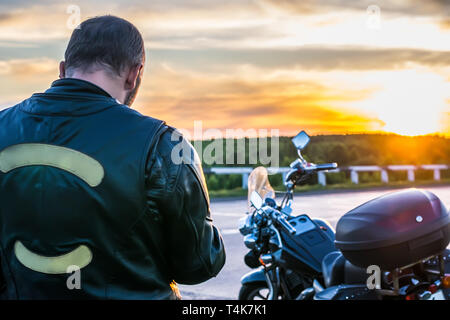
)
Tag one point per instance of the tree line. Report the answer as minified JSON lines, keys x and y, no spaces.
{"x":346,"y":150}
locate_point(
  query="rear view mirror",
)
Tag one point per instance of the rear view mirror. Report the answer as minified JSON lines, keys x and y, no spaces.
{"x":301,"y":140}
{"x":256,"y":200}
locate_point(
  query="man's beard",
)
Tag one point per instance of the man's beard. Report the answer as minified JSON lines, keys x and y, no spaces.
{"x":131,"y":96}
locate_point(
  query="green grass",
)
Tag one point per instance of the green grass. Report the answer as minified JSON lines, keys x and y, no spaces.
{"x":239,"y":192}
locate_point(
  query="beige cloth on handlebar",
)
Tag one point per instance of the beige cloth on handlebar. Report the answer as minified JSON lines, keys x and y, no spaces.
{"x":258,"y":181}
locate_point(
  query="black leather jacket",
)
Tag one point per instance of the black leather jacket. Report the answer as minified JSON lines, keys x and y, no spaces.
{"x":89,"y":182}
{"x":177,"y":197}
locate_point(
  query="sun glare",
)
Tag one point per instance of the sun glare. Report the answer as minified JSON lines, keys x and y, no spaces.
{"x":410,"y":102}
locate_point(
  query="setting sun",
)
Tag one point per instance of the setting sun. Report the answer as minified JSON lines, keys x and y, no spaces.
{"x":409,"y":102}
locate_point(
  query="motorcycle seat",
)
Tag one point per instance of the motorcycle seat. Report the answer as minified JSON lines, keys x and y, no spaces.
{"x":337,"y":270}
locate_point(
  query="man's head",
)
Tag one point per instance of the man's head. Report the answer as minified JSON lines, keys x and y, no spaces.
{"x":108,"y":51}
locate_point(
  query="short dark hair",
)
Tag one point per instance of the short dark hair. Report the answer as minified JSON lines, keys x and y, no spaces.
{"x":108,"y":41}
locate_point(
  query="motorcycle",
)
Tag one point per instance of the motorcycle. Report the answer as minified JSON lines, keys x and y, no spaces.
{"x":392,"y":247}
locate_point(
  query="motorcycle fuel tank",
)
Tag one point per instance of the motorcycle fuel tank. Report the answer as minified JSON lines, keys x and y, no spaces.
{"x":394,"y":230}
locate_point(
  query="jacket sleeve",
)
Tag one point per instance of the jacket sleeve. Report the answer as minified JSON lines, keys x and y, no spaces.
{"x":194,"y":250}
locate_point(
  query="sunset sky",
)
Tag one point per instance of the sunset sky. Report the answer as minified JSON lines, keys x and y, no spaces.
{"x":326,"y":66}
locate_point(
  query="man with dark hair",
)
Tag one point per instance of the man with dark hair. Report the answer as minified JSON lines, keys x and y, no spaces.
{"x":92,"y":203}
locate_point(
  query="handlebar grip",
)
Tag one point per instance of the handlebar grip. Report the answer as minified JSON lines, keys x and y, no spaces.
{"x":326,"y":166}
{"x":286,"y":225}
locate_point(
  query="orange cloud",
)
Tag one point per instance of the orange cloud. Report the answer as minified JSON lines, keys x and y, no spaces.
{"x":19,"y":78}
{"x":231,"y":102}
{"x":445,"y":24}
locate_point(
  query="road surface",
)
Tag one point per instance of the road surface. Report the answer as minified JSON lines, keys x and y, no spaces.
{"x":226,"y":213}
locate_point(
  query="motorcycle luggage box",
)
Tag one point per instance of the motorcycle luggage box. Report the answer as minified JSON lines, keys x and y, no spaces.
{"x":394,"y":230}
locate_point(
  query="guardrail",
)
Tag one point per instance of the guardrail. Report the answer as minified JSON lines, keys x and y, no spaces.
{"x":354,"y":170}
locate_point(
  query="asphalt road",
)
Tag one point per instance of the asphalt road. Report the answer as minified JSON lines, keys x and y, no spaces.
{"x":329,"y":206}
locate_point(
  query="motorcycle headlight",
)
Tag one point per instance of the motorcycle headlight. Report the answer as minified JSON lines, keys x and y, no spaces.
{"x":251,"y":260}
{"x":250,"y":241}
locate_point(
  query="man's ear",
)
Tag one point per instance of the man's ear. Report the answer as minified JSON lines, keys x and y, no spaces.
{"x":133,"y":74}
{"x":62,"y":70}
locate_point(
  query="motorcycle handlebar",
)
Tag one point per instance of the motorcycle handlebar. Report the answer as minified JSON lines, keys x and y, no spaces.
{"x":326,"y":166}
{"x":291,"y":176}
{"x":286,"y":225}
{"x":276,"y":215}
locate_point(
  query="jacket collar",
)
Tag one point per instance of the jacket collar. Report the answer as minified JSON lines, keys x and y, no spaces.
{"x":76,"y":86}
{"x":70,"y":96}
